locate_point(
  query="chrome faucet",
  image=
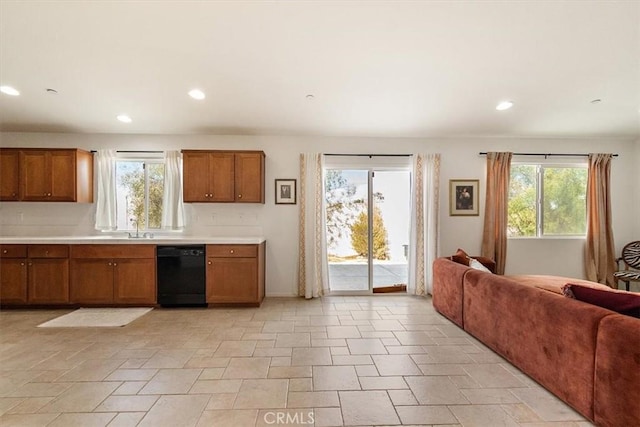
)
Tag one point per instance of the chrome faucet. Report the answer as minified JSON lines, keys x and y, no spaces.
{"x":145,"y":235}
{"x":137,"y":235}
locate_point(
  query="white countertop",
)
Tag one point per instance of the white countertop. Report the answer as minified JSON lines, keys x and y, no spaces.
{"x":159,"y":240}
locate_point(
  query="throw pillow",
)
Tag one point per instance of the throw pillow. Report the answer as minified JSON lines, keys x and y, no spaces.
{"x":474,"y":263}
{"x":460,"y":257}
{"x":622,"y":302}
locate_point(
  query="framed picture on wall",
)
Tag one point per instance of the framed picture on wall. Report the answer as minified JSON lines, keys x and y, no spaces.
{"x":285,"y":191}
{"x":463,"y":197}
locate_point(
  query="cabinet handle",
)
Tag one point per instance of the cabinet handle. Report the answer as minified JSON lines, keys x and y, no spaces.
{"x":209,"y":262}
{"x":49,"y":194}
{"x":109,"y":263}
{"x":231,"y":251}
{"x":4,"y":251}
{"x":30,"y":264}
{"x":115,"y":263}
{"x":22,"y":263}
{"x":239,"y":196}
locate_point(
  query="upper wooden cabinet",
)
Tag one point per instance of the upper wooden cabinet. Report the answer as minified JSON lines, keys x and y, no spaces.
{"x":223,"y":176}
{"x":9,"y":174}
{"x":57,"y":175}
{"x":46,"y":175}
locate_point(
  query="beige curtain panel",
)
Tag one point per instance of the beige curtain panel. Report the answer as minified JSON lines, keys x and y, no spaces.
{"x":494,"y":236}
{"x":313,"y":266}
{"x":599,"y":254}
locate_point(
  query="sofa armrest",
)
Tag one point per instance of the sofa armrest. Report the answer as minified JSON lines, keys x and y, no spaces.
{"x":617,"y":372}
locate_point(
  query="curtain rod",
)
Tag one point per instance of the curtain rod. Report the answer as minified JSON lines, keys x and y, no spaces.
{"x":549,"y":154}
{"x":369,"y":155}
{"x":134,"y":151}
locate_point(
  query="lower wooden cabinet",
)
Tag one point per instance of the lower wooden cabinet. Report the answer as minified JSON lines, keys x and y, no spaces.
{"x":134,"y":281}
{"x":91,"y":281}
{"x":13,"y":281}
{"x":48,"y":281}
{"x":235,"y":273}
{"x":122,"y":274}
{"x":113,"y":274}
{"x":34,"y":274}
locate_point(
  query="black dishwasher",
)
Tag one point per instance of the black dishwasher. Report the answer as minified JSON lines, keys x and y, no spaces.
{"x":181,"y":276}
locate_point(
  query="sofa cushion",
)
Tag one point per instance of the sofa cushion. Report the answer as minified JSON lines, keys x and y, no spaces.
{"x":553,"y":283}
{"x":621,"y":301}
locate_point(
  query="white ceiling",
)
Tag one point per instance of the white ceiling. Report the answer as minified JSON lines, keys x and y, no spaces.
{"x":375,"y":68}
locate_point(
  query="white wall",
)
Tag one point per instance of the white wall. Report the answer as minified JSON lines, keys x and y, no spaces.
{"x":278,"y":223}
{"x":636,"y":186}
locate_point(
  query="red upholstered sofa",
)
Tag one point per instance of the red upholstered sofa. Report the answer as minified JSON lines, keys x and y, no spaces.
{"x":586,"y":355}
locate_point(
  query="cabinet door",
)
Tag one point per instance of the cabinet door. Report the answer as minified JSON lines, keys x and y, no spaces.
{"x":63,"y":176}
{"x":134,"y":281}
{"x":91,"y":281}
{"x":195,"y":180}
{"x":9,"y":174}
{"x":36,"y":175}
{"x":232,"y":280}
{"x":48,"y":281}
{"x":13,"y":281}
{"x":221,"y":169}
{"x":249,"y":175}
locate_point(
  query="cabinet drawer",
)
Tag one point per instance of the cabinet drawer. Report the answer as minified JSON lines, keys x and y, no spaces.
{"x":232,"y":251}
{"x":48,"y":251}
{"x":13,"y":251}
{"x":113,"y":251}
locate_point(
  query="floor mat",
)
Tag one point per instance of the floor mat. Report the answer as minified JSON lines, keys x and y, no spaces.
{"x":97,"y":318}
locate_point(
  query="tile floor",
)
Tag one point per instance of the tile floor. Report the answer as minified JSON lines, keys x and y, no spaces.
{"x":355,"y":361}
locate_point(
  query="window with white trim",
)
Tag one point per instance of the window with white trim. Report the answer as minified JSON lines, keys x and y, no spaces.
{"x":547,"y":200}
{"x":139,"y":192}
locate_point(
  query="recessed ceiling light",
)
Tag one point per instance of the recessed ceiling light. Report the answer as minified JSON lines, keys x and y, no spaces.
{"x":310,"y":97}
{"x":196,"y":94}
{"x":8,"y":90}
{"x":504,"y":105}
{"x":124,"y":118}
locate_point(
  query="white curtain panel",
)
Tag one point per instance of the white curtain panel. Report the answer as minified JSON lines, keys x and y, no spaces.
{"x":173,"y":217}
{"x":313,"y":266}
{"x":425,"y":228}
{"x":105,"y":162}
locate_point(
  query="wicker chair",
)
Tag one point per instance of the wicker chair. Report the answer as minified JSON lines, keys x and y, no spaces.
{"x":631,"y":260}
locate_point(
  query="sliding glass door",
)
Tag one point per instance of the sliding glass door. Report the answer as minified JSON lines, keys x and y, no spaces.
{"x":347,"y":193}
{"x":390,"y":232}
{"x":367,"y":229}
